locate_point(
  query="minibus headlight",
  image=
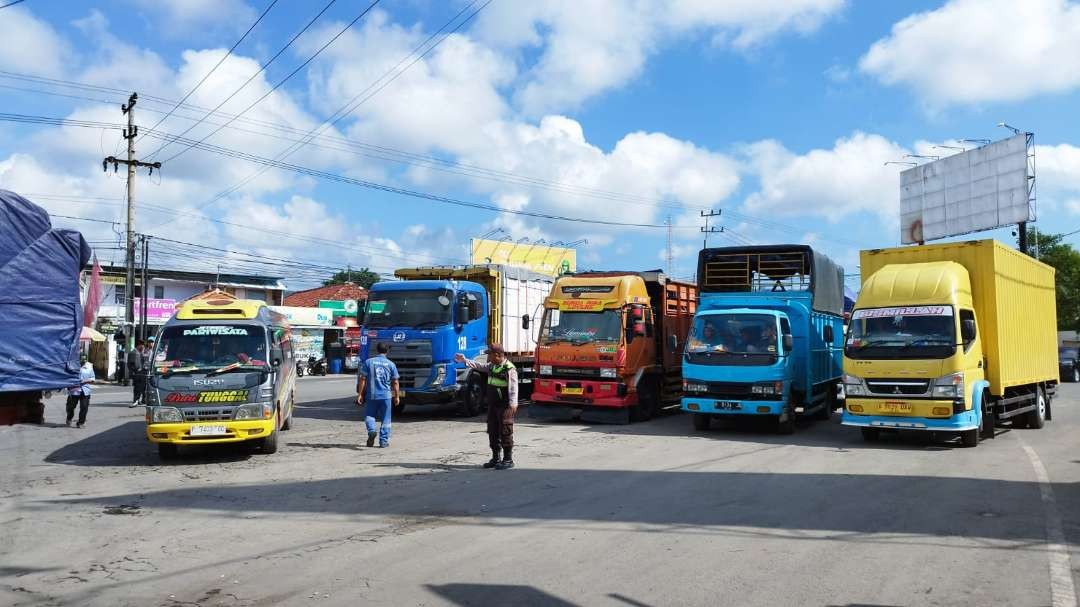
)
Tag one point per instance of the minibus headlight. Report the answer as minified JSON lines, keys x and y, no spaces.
{"x":254,"y":411}
{"x":167,"y":415}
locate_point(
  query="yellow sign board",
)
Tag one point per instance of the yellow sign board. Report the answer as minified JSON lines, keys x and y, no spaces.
{"x":551,"y":261}
{"x":581,"y":305}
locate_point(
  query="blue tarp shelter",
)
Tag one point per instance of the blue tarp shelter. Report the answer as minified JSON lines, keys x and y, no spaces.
{"x":40,"y":310}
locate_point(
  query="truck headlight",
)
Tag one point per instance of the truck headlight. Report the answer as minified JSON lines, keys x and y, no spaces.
{"x":254,"y":411}
{"x":689,"y":386}
{"x":949,"y":386}
{"x":609,"y":372}
{"x":771,"y":388}
{"x":854,"y":386}
{"x":545,"y":369}
{"x":167,"y":415}
{"x":440,"y":375}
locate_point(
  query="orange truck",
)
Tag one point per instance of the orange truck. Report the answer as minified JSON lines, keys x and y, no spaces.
{"x":609,"y":348}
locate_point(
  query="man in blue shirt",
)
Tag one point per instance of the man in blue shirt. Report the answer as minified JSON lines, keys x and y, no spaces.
{"x":80,"y":394}
{"x":377,"y":384}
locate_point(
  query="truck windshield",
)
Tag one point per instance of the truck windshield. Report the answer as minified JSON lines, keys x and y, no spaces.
{"x":581,"y":327}
{"x":898,"y":333}
{"x":408,"y":309}
{"x":210,"y":347}
{"x":724,"y":339}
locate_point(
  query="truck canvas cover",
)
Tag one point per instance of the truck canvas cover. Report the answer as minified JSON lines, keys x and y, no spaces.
{"x":40,"y":309}
{"x":774,"y":268}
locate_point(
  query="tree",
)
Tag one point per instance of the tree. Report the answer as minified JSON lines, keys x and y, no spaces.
{"x":362,"y":277}
{"x":1066,"y":260}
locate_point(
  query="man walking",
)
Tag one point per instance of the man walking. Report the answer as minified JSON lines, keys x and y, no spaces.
{"x":80,"y":395}
{"x":377,"y":385}
{"x":502,"y":403}
{"x":141,"y":366}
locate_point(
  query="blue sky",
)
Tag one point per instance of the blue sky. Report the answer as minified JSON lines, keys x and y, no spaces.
{"x":778,"y":113}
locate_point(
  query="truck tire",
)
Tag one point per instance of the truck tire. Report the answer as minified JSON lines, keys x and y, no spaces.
{"x":473,"y":398}
{"x":397,"y":409}
{"x":825,"y":412}
{"x":986,"y":429}
{"x":970,"y":438}
{"x":648,"y":400}
{"x":167,"y":451}
{"x":786,"y":426}
{"x":269,"y":444}
{"x":702,"y":422}
{"x":287,"y":424}
{"x":870,"y":435}
{"x":1036,"y":418}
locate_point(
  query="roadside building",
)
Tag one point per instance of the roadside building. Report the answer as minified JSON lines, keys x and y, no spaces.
{"x":338,"y":341}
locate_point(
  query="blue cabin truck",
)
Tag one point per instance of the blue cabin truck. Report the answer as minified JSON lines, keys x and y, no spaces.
{"x":766,"y":337}
{"x":436,"y":312}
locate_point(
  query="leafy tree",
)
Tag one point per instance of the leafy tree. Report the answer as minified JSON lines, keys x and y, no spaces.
{"x":362,"y":277}
{"x":1066,"y":260}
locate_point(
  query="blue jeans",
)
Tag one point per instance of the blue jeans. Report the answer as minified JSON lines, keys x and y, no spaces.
{"x":378,"y":409}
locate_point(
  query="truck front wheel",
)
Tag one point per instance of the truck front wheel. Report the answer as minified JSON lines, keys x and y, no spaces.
{"x":473,"y":398}
{"x":648,"y":400}
{"x":870,"y":434}
{"x":269,"y":444}
{"x":785,"y":423}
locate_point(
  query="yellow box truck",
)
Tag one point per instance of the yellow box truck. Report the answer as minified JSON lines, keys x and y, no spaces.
{"x":953,"y":337}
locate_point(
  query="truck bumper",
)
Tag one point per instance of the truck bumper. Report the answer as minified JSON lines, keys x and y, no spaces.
{"x":959,"y":422}
{"x":235,"y":431}
{"x":431,"y":395}
{"x":592,"y":393}
{"x":713,"y":406}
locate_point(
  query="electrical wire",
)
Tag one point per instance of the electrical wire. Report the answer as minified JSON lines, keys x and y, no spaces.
{"x":12,"y":3}
{"x":213,"y":69}
{"x":261,"y":69}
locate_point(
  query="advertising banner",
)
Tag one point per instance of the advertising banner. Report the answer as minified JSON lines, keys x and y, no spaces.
{"x":157,"y":310}
{"x":307,"y":343}
{"x":305,"y":317}
{"x":551,"y":261}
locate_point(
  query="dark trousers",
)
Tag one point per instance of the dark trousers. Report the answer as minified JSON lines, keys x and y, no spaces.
{"x":500,"y":421}
{"x":84,"y":405}
{"x":140,"y":385}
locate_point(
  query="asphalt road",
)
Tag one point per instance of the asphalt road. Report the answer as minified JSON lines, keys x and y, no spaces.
{"x":648,"y":514}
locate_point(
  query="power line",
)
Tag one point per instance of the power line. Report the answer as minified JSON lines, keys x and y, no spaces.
{"x":12,"y":3}
{"x":216,"y":65}
{"x":261,"y":69}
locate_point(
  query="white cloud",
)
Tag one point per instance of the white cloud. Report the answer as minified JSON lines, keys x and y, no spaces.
{"x":31,"y":46}
{"x":833,"y":183}
{"x":971,"y":51}
{"x":1057,"y":167}
{"x":592,"y":46}
{"x":179,"y":18}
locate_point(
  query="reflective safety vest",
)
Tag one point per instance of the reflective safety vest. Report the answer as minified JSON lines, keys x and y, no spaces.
{"x":500,"y":375}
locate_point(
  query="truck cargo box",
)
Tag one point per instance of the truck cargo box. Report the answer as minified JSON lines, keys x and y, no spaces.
{"x":1014,"y":300}
{"x":514,"y":292}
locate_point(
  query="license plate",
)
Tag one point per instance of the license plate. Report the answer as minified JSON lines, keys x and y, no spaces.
{"x":894,"y":408}
{"x":208,"y":430}
{"x":573,"y":390}
{"x":728,"y":404}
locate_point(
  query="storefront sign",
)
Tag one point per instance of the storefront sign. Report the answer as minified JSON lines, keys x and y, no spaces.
{"x":157,"y":310}
{"x":305,"y":317}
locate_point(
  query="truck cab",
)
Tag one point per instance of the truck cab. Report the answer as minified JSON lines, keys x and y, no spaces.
{"x":425,"y":322}
{"x":764,"y":340}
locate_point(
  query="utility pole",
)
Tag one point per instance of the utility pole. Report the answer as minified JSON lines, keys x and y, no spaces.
{"x":670,"y":247}
{"x":706,"y":230}
{"x":130,"y":134}
{"x":145,"y":285}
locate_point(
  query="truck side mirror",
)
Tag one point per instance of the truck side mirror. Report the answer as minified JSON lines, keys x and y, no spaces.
{"x":276,"y":357}
{"x":463,"y":313}
{"x":828,"y":334}
{"x":789,"y":342}
{"x":639,"y":328}
{"x":672,"y":342}
{"x":526,"y":321}
{"x":967,"y":330}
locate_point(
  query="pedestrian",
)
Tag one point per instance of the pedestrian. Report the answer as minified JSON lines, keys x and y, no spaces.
{"x":378,"y":391}
{"x":80,"y":394}
{"x":502,"y":403}
{"x":141,"y":367}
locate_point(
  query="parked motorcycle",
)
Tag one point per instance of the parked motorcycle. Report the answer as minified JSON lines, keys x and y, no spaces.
{"x":316,"y":366}
{"x":300,"y":369}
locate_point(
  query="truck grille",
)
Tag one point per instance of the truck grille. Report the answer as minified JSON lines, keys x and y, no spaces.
{"x":413,"y":360}
{"x":210,"y":414}
{"x":896,"y":387}
{"x":575,"y":372}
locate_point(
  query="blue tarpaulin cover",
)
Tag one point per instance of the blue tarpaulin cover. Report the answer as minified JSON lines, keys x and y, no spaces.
{"x":40,"y":311}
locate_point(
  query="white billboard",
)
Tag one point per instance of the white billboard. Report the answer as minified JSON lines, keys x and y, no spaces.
{"x":979,"y":189}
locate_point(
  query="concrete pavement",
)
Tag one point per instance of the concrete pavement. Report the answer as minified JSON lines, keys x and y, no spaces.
{"x":647,"y":514}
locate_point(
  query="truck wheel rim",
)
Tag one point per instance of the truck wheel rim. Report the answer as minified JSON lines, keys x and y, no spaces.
{"x":1042,"y":405}
{"x":1076,"y":375}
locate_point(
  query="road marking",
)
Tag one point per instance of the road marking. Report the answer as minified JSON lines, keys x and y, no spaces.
{"x":1062,"y":591}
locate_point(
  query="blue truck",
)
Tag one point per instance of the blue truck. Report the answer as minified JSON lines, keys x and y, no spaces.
{"x":432,"y":313}
{"x":766,"y":336}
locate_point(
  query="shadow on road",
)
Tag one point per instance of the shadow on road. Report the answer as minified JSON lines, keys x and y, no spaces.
{"x":345,"y":409}
{"x":871,"y":508}
{"x":496,"y":594}
{"x":126,"y":445}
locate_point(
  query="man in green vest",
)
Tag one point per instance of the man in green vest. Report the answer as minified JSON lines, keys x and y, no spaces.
{"x":502,"y":402}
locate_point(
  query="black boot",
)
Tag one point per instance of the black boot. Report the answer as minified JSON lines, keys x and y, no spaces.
{"x":507,"y":460}
{"x":494,"y":459}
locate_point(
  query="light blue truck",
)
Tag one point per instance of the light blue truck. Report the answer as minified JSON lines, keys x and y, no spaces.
{"x":766,"y":338}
